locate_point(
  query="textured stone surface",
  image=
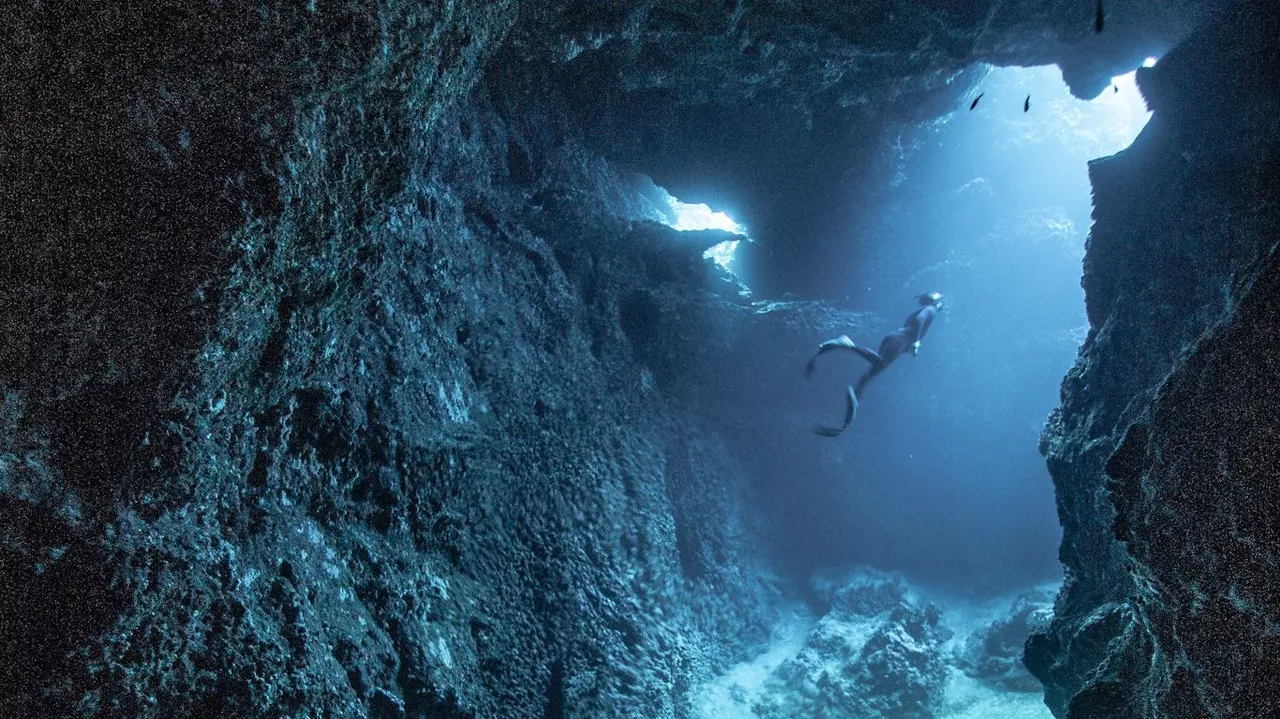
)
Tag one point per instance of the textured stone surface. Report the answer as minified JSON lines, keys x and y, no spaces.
{"x":994,"y":654}
{"x":1184,"y":219}
{"x":311,"y":410}
{"x":877,"y":652}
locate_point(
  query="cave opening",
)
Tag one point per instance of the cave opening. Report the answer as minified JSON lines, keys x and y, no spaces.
{"x":940,"y":476}
{"x":697,"y":216}
{"x":940,"y":479}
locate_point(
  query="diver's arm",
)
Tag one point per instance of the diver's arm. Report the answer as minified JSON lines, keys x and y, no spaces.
{"x":924,"y":324}
{"x":923,"y":320}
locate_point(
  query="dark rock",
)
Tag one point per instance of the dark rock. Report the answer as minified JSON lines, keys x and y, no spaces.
{"x":994,"y":654}
{"x":302,"y":414}
{"x":1157,"y":453}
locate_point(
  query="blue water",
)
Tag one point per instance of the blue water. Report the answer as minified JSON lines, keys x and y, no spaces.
{"x":940,"y":476}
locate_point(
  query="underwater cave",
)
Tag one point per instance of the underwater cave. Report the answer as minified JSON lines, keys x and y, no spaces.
{"x":405,"y":360}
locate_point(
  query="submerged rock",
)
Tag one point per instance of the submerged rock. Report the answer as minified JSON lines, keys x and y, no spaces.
{"x":1162,"y":453}
{"x":877,"y":653}
{"x":994,"y":654}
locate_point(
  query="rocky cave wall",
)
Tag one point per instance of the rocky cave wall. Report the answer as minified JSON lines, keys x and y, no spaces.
{"x":1163,"y":451}
{"x":319,"y":401}
{"x":342,"y":375}
{"x":781,"y":112}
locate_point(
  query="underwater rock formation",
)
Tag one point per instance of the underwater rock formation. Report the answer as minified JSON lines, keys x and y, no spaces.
{"x":1163,"y":451}
{"x":342,"y":375}
{"x":312,"y":408}
{"x":876,"y":653}
{"x":879,"y":649}
{"x":994,"y":654}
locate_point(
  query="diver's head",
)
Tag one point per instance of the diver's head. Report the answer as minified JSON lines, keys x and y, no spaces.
{"x":931,"y":298}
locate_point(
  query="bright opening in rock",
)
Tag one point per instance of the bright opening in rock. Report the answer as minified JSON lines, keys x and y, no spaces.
{"x":1093,"y":128}
{"x":695,"y":216}
{"x":939,"y":475}
{"x":990,"y":206}
{"x":723,"y":253}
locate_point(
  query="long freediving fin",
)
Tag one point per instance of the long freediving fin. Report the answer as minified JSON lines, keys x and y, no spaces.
{"x":850,"y":410}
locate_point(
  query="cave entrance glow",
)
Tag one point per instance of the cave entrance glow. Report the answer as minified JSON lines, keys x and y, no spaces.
{"x":693,"y":217}
{"x":940,"y":476}
{"x":1087,"y":129}
{"x":689,"y":216}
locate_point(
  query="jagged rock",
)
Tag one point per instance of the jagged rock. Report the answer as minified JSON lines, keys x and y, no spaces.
{"x":877,"y":653}
{"x":866,"y":593}
{"x":304,"y":416}
{"x":994,"y":654}
{"x":1185,"y":220}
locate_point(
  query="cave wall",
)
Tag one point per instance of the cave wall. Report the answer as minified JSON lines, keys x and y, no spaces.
{"x":319,"y":396}
{"x":1161,"y":452}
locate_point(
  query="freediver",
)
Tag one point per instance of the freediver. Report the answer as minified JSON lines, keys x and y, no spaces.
{"x":906,"y":337}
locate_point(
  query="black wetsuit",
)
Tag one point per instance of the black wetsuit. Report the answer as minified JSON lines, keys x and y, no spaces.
{"x":894,"y":344}
{"x":891,"y":348}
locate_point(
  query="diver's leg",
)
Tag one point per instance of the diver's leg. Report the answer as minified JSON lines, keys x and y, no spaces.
{"x":840,"y":343}
{"x":867,"y":376}
{"x":866,"y":354}
{"x":850,"y":410}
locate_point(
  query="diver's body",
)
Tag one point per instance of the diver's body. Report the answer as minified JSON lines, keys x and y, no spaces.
{"x":907,"y":337}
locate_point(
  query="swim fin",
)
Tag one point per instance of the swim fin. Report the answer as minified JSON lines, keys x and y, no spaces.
{"x":850,"y":410}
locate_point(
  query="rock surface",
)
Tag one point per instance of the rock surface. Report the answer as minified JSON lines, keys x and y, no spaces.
{"x":994,"y":654}
{"x":876,"y":653}
{"x":1161,"y":452}
{"x":880,"y":650}
{"x":311,"y":408}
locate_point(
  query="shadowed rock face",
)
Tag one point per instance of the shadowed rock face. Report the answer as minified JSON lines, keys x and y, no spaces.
{"x":1162,"y":452}
{"x":337,"y":374}
{"x":993,"y":654}
{"x":310,"y":408}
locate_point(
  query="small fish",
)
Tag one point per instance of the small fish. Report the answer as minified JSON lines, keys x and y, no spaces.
{"x":975,"y":101}
{"x":1098,"y":20}
{"x":1027,"y":105}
